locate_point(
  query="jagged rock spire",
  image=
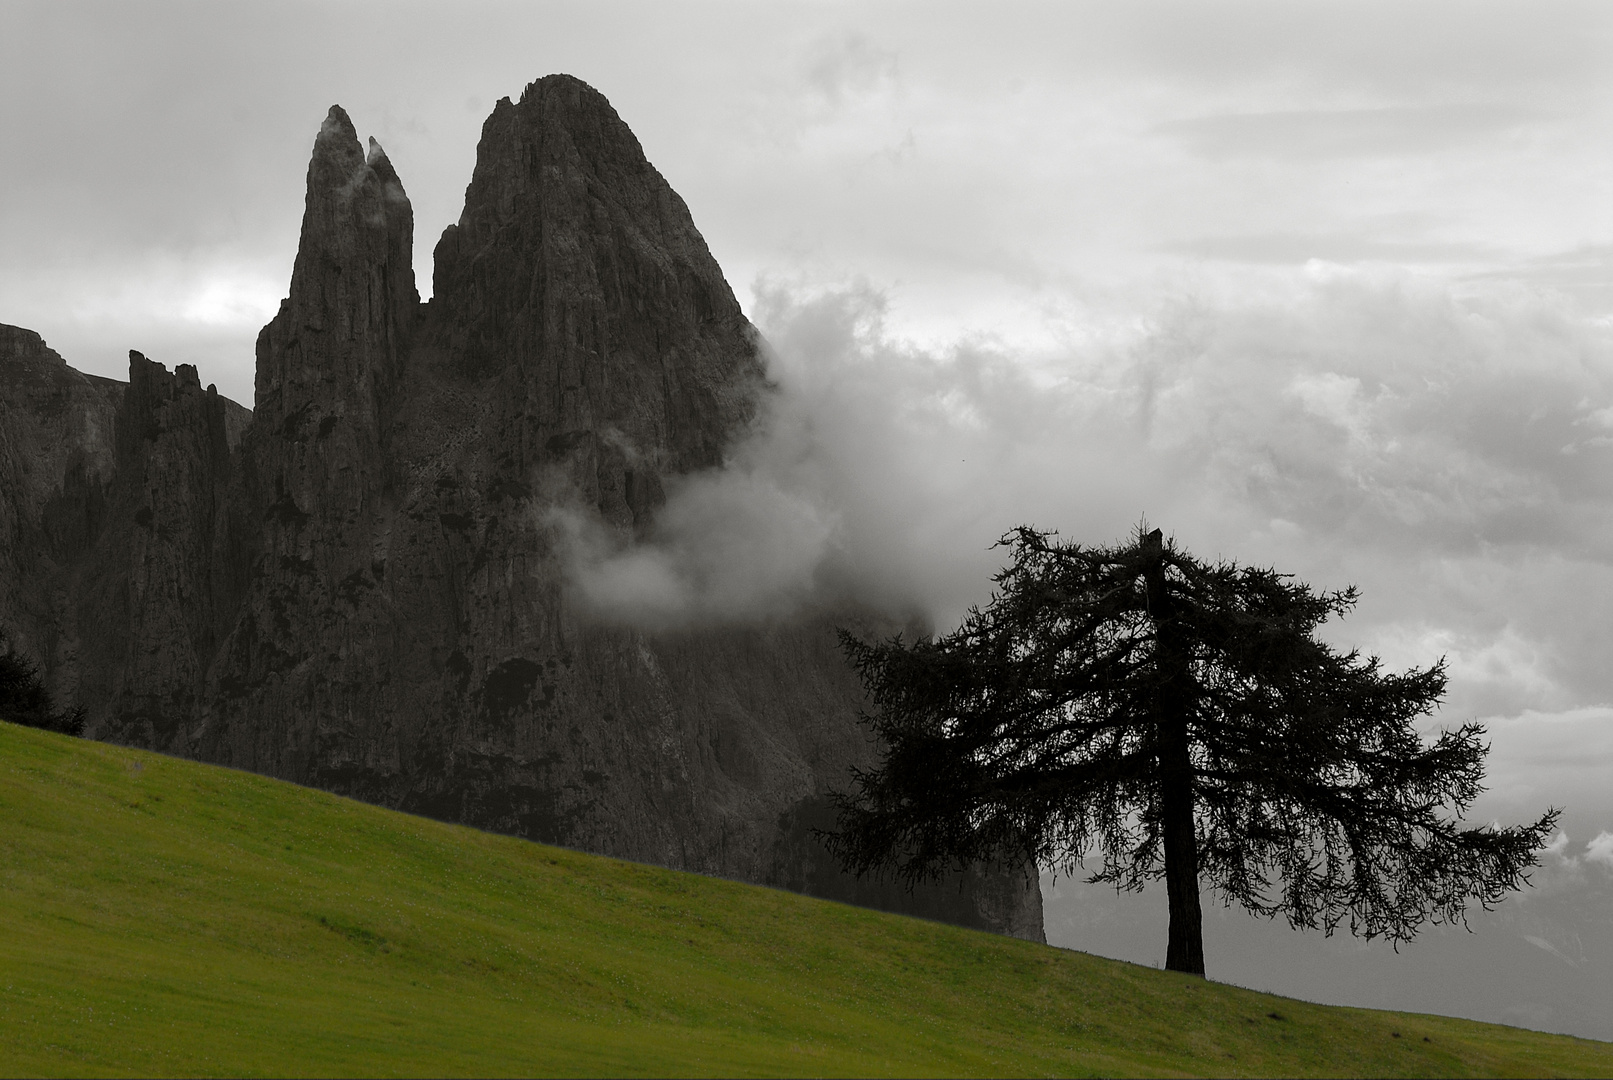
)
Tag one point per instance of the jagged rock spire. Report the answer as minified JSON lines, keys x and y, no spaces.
{"x":345,"y":324}
{"x":577,"y":272}
{"x":331,"y":361}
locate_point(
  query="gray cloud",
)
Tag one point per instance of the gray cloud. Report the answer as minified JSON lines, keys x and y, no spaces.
{"x":1376,"y":46}
{"x":848,"y":64}
{"x":1584,"y":273}
{"x":156,"y":151}
{"x":1444,"y":452}
{"x":746,"y":542}
{"x":1342,"y":247}
{"x":1600,"y":850}
{"x":1319,"y":134}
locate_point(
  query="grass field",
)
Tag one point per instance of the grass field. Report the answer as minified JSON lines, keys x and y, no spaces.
{"x":159,"y":917}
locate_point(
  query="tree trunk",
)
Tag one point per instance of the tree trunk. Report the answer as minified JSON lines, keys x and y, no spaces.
{"x":1185,"y":949}
{"x":1173,"y":703}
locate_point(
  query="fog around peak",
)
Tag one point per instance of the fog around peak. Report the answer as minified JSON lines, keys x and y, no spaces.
{"x":1428,"y":444}
{"x":1446,"y":450}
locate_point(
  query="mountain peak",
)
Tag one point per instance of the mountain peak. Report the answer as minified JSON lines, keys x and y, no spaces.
{"x":578,"y":269}
{"x":352,"y":294}
{"x":573,"y":88}
{"x":338,"y":125}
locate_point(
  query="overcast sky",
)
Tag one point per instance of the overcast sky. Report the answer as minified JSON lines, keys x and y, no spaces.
{"x":1328,"y":287}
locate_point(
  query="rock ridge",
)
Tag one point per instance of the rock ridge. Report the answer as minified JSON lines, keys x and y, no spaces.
{"x":360,"y":586}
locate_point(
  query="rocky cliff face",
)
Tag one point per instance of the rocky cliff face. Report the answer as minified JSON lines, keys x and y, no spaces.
{"x":57,"y":458}
{"x":360,"y":589}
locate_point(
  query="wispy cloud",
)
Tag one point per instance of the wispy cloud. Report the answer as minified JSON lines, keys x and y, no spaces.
{"x":1438,"y":448}
{"x":1600,"y":850}
{"x":1321,"y":134}
{"x":1339,"y":247}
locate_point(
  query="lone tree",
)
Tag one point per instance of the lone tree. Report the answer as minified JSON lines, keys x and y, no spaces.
{"x":1182,"y":720}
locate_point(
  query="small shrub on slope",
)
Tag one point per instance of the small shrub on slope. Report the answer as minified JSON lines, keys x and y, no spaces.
{"x":24,"y":699}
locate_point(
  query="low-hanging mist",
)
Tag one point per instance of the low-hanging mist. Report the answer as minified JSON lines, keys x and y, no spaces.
{"x":1446,"y":449}
{"x":1444,"y":452}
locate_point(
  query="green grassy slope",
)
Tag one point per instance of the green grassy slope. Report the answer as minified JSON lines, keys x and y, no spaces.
{"x":163,"y":917}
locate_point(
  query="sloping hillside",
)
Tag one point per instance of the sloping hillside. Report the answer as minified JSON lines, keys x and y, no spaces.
{"x":164,"y":917}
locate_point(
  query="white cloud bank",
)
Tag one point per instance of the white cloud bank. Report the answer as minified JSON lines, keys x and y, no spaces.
{"x":1447,"y":452}
{"x":1443,"y":448}
{"x":1600,"y":850}
{"x":736,"y":544}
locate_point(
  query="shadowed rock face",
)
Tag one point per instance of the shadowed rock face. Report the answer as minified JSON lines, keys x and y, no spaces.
{"x":359,"y":589}
{"x":57,"y":458}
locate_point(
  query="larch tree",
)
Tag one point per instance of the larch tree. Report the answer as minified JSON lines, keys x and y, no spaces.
{"x":1133,"y":706}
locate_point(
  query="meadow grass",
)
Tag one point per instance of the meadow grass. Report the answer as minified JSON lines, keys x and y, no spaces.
{"x":161,"y":917}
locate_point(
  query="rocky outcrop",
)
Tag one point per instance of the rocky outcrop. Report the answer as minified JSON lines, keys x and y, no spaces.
{"x":364,"y":591}
{"x":161,"y":588}
{"x":57,"y":458}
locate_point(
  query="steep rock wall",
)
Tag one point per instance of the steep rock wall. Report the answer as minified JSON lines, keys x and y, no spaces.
{"x":57,"y":458}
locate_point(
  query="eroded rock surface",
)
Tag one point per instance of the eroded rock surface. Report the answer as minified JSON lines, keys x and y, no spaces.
{"x":360,"y":588}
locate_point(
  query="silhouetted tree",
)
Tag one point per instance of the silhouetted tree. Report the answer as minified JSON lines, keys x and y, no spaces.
{"x":1180,"y":720}
{"x":24,"y":700}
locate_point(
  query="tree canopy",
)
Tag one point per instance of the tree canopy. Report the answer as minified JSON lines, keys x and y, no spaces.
{"x":1166,"y":717}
